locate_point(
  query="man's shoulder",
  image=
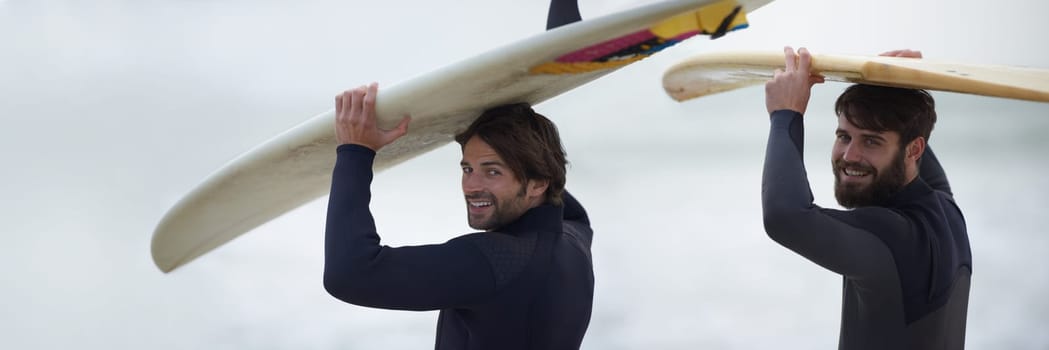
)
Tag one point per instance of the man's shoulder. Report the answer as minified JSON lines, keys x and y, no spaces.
{"x":890,"y":225}
{"x":871,"y":218}
{"x":932,"y":207}
{"x":498,"y":240}
{"x":508,"y":254}
{"x":579,"y":232}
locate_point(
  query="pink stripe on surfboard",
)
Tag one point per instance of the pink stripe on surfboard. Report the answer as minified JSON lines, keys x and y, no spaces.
{"x":604,"y":49}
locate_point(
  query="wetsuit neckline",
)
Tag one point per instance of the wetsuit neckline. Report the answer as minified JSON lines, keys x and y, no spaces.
{"x":544,"y":218}
{"x":917,"y":188}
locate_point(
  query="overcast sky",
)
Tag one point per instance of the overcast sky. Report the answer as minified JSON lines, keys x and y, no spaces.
{"x":112,"y":109}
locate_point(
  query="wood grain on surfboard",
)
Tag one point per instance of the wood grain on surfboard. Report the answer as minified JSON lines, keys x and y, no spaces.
{"x":295,"y":166}
{"x":711,"y":73}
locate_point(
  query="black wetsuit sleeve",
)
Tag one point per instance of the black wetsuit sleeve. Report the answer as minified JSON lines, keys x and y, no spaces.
{"x":358,"y":270}
{"x":794,"y":221}
{"x":932,"y":172}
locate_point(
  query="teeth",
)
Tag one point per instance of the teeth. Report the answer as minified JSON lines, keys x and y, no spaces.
{"x":853,"y":172}
{"x":480,"y":204}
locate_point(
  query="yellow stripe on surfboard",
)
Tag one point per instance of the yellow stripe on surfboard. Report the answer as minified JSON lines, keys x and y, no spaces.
{"x":705,"y":20}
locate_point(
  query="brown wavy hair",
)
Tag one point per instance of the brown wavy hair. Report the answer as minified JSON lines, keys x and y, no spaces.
{"x":527,"y":141}
{"x":909,"y":112}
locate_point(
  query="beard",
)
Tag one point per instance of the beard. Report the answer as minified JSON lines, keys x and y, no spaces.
{"x":886,"y":183}
{"x":503,"y":211}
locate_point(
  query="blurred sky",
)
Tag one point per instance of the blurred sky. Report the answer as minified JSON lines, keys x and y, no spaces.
{"x":112,"y":109}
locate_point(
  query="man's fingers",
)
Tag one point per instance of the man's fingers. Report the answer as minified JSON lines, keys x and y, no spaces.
{"x":356,"y":119}
{"x":369,"y":103}
{"x":777,"y":73}
{"x":892,"y":53}
{"x":388,"y":136}
{"x":338,"y":104}
{"x":903,"y":53}
{"x":346,"y":98}
{"x":790,"y":60}
{"x":402,"y":127}
{"x":357,"y":105}
{"x":804,"y":60}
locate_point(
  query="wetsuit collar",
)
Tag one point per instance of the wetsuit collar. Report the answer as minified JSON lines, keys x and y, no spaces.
{"x":544,"y":218}
{"x":916,"y":189}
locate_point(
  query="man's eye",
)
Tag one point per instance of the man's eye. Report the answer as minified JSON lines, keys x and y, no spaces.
{"x":493,"y":172}
{"x":467,"y":170}
{"x":844,"y":138}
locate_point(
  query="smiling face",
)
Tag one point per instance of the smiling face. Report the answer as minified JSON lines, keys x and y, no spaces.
{"x":494,"y":196}
{"x":881,"y":135}
{"x":869,"y":166}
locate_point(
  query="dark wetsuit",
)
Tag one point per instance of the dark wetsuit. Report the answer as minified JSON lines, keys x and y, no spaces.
{"x":527,"y":285}
{"x":906,"y":266}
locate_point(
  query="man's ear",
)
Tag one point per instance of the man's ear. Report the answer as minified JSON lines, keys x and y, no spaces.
{"x":537,"y":188}
{"x":916,"y":148}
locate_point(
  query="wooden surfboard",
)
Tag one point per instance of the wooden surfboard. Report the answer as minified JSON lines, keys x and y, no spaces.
{"x":711,"y":73}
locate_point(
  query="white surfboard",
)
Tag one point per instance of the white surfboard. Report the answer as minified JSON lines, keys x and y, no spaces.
{"x":295,"y":167}
{"x":711,"y":73}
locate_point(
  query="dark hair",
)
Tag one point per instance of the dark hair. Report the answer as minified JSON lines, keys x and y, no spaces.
{"x":527,"y":141}
{"x":909,"y":112}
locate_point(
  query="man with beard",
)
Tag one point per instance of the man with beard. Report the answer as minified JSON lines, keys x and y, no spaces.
{"x":902,"y":249}
{"x":526,"y":282}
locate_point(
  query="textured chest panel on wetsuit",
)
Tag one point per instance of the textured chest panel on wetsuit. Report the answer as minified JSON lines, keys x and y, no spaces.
{"x":508,"y":254}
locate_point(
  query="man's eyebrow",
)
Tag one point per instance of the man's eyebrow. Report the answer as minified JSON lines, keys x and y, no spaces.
{"x":873,"y":136}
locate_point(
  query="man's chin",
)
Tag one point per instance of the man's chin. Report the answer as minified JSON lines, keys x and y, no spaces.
{"x":854,"y":188}
{"x":478,"y":222}
{"x":851,"y":195}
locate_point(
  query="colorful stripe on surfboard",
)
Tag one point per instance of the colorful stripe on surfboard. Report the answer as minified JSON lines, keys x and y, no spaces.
{"x":715,"y":20}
